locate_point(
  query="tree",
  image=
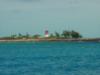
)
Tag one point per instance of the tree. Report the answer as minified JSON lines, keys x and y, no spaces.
{"x":66,"y":34}
{"x":51,"y":36}
{"x":13,"y":36}
{"x":27,"y":36}
{"x":57,"y":35}
{"x":20,"y":36}
{"x":75,"y":34}
{"x":36,"y":36}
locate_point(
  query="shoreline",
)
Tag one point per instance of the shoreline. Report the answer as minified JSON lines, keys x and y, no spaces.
{"x":52,"y":39}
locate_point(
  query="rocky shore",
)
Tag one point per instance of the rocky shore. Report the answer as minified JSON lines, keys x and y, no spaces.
{"x":52,"y":39}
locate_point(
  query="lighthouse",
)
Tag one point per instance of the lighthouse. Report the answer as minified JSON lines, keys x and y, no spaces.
{"x":46,"y":33}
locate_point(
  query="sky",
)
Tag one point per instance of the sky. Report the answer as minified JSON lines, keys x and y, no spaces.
{"x":36,"y":16}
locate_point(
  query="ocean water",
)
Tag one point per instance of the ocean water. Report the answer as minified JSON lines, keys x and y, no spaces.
{"x":50,"y":58}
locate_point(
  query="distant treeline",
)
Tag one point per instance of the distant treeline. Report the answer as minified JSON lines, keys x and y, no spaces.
{"x":65,"y":34}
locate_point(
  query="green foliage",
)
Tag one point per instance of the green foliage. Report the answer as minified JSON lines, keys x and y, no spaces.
{"x":71,"y":34}
{"x":27,"y":36}
{"x":51,"y":36}
{"x":13,"y":36}
{"x":20,"y":36}
{"x":36,"y":36}
{"x":66,"y":34}
{"x":75,"y":34}
{"x":57,"y":35}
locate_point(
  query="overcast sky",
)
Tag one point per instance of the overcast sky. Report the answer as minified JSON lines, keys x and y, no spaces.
{"x":35,"y":16}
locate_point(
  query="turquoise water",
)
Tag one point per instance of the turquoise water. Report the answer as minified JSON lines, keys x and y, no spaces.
{"x":50,"y":58}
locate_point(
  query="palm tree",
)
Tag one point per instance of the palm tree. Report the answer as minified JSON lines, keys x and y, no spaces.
{"x":27,"y":36}
{"x":14,"y":36}
{"x":20,"y":36}
{"x":57,"y":35}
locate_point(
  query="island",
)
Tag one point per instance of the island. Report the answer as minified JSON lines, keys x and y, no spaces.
{"x":68,"y":36}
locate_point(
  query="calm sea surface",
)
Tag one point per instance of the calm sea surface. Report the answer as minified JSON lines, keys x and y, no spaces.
{"x":50,"y":58}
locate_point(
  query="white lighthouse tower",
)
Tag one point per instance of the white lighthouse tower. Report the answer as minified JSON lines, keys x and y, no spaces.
{"x":46,"y":33}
